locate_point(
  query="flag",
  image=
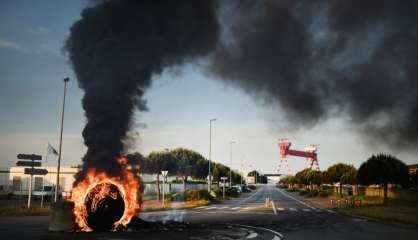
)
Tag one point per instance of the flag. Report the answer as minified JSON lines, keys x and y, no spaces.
{"x":51,"y":150}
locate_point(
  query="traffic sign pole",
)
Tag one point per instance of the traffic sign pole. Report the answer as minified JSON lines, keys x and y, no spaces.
{"x":164,"y":173}
{"x":31,"y":170}
{"x":30,"y":190}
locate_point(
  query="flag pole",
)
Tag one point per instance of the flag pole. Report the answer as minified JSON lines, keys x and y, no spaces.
{"x":60,"y":147}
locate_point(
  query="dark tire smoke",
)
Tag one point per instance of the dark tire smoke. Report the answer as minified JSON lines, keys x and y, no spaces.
{"x":313,"y":59}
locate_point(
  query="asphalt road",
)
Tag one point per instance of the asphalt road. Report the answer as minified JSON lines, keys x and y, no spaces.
{"x":247,"y":217}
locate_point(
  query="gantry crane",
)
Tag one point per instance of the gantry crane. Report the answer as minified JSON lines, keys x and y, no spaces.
{"x":309,"y":153}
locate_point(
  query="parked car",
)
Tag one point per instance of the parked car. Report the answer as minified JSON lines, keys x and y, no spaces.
{"x":237,"y":188}
{"x":245,"y":188}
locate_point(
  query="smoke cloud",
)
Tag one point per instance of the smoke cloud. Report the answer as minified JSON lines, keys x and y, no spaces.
{"x":318,"y":59}
{"x":312,"y":59}
{"x":115,"y":49}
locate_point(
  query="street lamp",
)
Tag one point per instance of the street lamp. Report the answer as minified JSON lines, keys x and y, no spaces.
{"x":60,"y":147}
{"x":210,"y":152}
{"x":230,"y":166}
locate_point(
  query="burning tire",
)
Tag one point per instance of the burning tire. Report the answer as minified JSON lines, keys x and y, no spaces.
{"x":104,"y":206}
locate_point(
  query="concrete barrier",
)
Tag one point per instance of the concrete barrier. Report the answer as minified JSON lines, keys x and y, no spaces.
{"x":61,"y":216}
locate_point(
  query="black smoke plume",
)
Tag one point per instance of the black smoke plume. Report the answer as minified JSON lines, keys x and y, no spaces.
{"x":316,"y":59}
{"x":313,"y":59}
{"x":115,"y":49}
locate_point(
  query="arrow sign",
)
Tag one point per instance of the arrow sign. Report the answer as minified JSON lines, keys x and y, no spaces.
{"x":29,"y":157}
{"x":28,"y":164}
{"x":35,"y":171}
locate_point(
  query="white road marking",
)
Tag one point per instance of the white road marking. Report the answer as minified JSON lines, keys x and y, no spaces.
{"x":235,"y":208}
{"x":274,"y":208}
{"x":280,"y":209}
{"x":202,"y":207}
{"x":330,"y":211}
{"x":297,"y":200}
{"x":223,"y":207}
{"x":277,"y":235}
{"x":293,"y":209}
{"x":210,"y":208}
{"x":306,"y":210}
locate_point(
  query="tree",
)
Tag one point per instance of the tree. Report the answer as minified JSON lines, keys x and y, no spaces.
{"x":288,"y":180}
{"x":309,"y":177}
{"x":301,"y":177}
{"x":157,"y":162}
{"x":186,"y":164}
{"x":335,"y":173}
{"x":383,"y":169}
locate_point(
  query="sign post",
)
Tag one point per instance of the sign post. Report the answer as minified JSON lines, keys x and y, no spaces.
{"x":164,"y":173}
{"x":31,"y":170}
{"x":223,"y":186}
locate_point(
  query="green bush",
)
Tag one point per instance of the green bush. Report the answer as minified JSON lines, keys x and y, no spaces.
{"x":303,"y":193}
{"x":313,"y":193}
{"x":205,"y":195}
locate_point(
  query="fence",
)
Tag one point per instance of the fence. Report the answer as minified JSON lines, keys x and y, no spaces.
{"x":151,"y":188}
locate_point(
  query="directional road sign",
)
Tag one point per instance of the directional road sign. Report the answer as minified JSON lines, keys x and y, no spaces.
{"x":28,"y":164}
{"x":36,"y":171}
{"x":29,"y":156}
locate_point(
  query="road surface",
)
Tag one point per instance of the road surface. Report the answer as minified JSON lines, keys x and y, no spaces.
{"x":248,"y":217}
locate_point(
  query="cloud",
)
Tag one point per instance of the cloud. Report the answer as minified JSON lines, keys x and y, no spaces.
{"x":6,"y":44}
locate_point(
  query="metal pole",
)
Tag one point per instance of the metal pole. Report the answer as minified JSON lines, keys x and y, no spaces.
{"x":30,"y":189}
{"x":241,"y":171}
{"x":210,"y":153}
{"x":60,"y":147}
{"x":230,"y":166}
{"x":163,"y":190}
{"x":42,"y":196}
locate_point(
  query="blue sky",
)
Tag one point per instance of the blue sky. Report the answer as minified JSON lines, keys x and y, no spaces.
{"x":181,"y":102}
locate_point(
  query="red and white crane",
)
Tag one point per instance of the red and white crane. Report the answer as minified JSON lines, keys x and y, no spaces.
{"x":309,"y":153}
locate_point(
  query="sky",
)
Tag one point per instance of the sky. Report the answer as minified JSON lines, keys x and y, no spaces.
{"x":181,"y":101}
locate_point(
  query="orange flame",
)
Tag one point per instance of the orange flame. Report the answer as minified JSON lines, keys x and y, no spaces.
{"x":127,"y":184}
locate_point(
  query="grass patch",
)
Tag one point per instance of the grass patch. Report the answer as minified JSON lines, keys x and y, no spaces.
{"x":400,"y":211}
{"x":23,"y":211}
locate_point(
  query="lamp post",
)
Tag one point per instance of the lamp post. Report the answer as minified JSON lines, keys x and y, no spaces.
{"x":230,"y":166}
{"x":60,"y":147}
{"x":210,"y":153}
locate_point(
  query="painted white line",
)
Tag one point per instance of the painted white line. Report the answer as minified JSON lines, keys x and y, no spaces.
{"x":297,"y":200}
{"x":330,"y":211}
{"x":246,"y":208}
{"x":280,"y":209}
{"x":202,"y":207}
{"x":274,"y":208}
{"x":293,"y":209}
{"x":306,"y":210}
{"x":235,"y":208}
{"x":223,"y":207}
{"x":210,"y":208}
{"x":277,"y":235}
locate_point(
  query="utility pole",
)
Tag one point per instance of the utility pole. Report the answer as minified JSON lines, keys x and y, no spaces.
{"x":60,"y":147}
{"x":210,"y":153}
{"x":230,"y":166}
